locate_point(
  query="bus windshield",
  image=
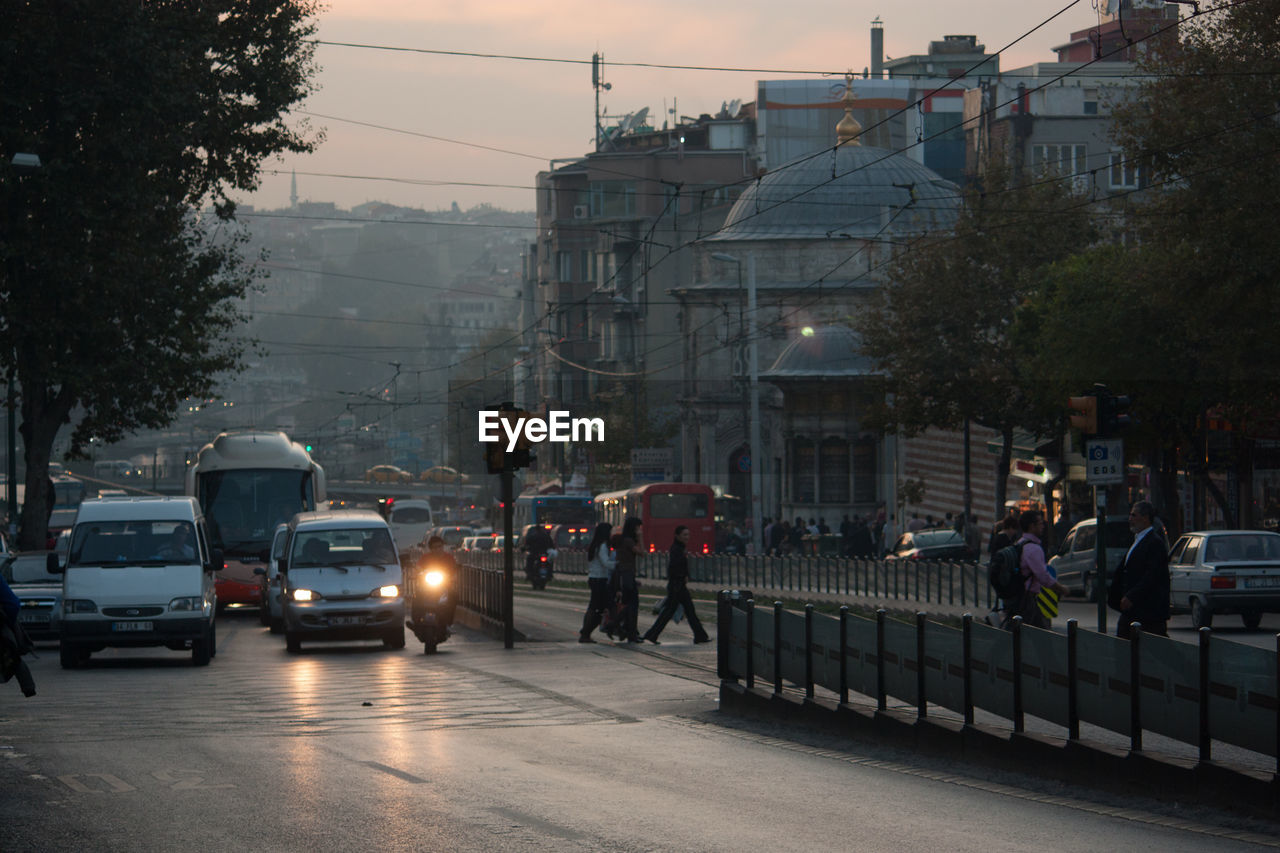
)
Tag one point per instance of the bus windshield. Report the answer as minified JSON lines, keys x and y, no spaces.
{"x":244,"y":506}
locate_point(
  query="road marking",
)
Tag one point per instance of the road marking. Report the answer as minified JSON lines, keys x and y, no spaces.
{"x":118,"y":785}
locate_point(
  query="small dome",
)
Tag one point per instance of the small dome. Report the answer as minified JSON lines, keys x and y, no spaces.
{"x":828,"y":352}
{"x":871,"y":187}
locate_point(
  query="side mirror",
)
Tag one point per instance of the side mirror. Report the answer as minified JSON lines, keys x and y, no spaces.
{"x":217,"y":560}
{"x":51,"y":564}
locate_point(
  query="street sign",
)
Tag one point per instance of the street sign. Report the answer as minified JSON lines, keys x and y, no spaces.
{"x":1104,"y":461}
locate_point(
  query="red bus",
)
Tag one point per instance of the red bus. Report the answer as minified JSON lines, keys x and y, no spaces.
{"x":661,"y":507}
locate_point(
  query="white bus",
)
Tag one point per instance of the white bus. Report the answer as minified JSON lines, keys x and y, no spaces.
{"x":247,"y":482}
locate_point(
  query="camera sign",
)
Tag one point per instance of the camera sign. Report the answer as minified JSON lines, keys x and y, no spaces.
{"x":1104,"y":461}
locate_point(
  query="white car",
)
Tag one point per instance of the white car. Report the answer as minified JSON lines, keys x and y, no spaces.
{"x":342,"y":580}
{"x":1225,"y":571}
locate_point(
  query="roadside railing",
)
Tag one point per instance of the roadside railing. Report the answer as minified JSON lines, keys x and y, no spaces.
{"x":1216,"y":690}
{"x":925,"y":581}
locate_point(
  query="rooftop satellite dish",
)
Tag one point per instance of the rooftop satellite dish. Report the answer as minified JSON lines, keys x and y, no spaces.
{"x":735,"y":106}
{"x":638,"y":119}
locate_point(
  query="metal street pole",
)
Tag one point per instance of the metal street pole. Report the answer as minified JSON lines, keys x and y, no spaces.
{"x":757,"y":461}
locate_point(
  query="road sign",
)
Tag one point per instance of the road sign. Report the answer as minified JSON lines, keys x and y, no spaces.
{"x":1104,"y":461}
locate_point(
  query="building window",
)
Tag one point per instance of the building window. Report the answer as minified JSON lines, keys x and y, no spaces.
{"x":834,"y":477}
{"x":612,"y":198}
{"x":803,"y":468}
{"x":1125,"y":174}
{"x":1064,"y":160}
{"x":564,"y":266}
{"x":864,"y":471}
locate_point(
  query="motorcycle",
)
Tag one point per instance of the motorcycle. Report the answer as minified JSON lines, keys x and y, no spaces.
{"x":432,"y":601}
{"x":540,"y":568}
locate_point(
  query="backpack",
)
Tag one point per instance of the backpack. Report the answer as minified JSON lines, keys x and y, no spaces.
{"x":1004,"y":571}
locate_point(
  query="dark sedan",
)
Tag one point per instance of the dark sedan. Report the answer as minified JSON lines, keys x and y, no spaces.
{"x":931,"y":545}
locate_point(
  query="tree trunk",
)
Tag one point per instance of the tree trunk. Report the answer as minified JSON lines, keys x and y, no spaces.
{"x":1002,"y":471}
{"x":41,"y":420}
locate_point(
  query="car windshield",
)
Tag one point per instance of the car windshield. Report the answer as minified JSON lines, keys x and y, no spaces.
{"x":1242,"y":547}
{"x":933,"y":538}
{"x":349,"y":547}
{"x":99,"y":543}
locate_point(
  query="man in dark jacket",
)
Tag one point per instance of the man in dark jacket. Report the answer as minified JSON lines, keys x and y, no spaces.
{"x":1140,"y":589}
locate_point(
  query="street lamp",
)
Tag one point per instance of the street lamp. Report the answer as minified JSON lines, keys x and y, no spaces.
{"x":23,"y":163}
{"x":753,"y":423}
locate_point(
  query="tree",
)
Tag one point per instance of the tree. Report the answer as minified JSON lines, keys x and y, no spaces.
{"x":1195,"y":304}
{"x":944,"y":332}
{"x":116,"y":294}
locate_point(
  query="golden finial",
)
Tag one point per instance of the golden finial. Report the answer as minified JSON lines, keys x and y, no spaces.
{"x":848,"y":129}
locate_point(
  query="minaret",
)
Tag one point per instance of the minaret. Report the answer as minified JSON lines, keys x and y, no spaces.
{"x":293,"y":190}
{"x":848,"y":129}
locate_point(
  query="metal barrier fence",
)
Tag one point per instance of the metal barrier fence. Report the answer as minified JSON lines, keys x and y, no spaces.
{"x":1218,"y":690}
{"x":926,"y":581}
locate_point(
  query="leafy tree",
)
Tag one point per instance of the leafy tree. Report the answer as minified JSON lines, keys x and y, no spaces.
{"x":1192,"y":309}
{"x":115,"y":295}
{"x":944,"y":331}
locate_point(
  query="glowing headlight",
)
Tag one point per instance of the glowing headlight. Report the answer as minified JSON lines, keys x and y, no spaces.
{"x":303,"y":595}
{"x":435,"y":577}
{"x":388,"y":591}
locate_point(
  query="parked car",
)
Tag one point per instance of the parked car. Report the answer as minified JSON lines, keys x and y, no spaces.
{"x":1225,"y":571}
{"x":1076,"y":561}
{"x":931,"y":545}
{"x":387,"y":474}
{"x":39,"y":592}
{"x":342,"y":580}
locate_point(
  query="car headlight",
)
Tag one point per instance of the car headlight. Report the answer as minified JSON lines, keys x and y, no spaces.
{"x":434,"y":577}
{"x":388,"y":591}
{"x":79,"y":605}
{"x":191,"y":602}
{"x":304,"y":595}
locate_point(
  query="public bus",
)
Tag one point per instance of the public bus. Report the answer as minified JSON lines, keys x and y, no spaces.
{"x":550,"y":510}
{"x":661,"y":507}
{"x":247,"y":482}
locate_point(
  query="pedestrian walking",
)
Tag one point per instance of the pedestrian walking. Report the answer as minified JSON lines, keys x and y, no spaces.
{"x":1140,"y":588}
{"x":624,"y":580}
{"x":678,"y":591}
{"x":600,"y":563}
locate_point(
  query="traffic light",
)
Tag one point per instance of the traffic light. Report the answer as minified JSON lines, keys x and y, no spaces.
{"x":1084,"y":414}
{"x":1113,"y":413}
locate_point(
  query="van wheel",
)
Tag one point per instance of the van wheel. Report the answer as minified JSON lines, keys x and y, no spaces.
{"x":1252,"y":619}
{"x":277,"y":625}
{"x":394,"y":638}
{"x":1201,"y":615}
{"x":292,"y":642}
{"x":1090,"y":593}
{"x":200,"y":650}
{"x":71,"y":656}
{"x":213,"y":640}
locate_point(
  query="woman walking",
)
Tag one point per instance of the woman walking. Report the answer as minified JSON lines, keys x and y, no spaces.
{"x":600,"y":565}
{"x":624,"y":577}
{"x":678,"y":591}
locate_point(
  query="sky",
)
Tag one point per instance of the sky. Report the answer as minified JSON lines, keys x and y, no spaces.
{"x":439,"y":117}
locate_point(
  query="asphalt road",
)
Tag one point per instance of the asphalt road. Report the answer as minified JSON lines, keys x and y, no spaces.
{"x":552,"y":745}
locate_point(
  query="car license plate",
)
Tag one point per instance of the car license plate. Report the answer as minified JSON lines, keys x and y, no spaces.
{"x":131,"y":626}
{"x":1262,"y":583}
{"x":346,"y":620}
{"x":34,"y":618}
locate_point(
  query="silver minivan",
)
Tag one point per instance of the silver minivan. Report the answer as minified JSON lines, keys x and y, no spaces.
{"x":1076,"y":563}
{"x":341,"y":579}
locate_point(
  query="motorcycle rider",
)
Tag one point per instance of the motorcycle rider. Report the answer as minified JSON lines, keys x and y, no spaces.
{"x":436,"y":557}
{"x":537,"y":542}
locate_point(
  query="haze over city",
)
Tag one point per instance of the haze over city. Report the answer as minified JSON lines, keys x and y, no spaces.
{"x":420,"y":129}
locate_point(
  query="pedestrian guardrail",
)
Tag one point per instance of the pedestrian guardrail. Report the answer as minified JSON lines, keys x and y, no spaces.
{"x":925,"y":581}
{"x":1216,"y":690}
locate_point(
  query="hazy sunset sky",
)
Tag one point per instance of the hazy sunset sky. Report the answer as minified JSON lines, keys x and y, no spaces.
{"x":537,"y":111}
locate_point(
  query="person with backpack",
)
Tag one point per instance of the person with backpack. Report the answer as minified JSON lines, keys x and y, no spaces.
{"x":1033,"y":574}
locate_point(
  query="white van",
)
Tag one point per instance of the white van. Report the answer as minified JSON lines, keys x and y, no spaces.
{"x":342,"y":580}
{"x":410,"y":521}
{"x":139,"y":572}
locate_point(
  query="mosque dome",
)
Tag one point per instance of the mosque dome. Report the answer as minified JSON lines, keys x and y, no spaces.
{"x":822,"y":352}
{"x":853,"y":191}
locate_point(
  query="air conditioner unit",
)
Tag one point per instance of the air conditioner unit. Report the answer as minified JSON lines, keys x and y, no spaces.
{"x":579,"y":211}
